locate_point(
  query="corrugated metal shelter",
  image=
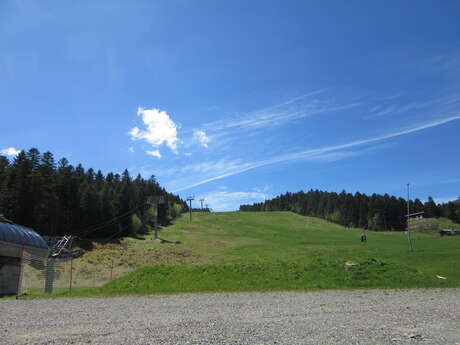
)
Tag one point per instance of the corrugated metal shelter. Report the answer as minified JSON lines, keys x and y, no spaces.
{"x":17,"y":242}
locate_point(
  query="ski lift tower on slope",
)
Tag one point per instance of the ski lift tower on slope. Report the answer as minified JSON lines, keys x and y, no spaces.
{"x":155,"y":200}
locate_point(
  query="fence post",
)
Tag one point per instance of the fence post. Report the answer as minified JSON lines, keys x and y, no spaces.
{"x":111,"y":270}
{"x":20,"y":271}
{"x":49,"y":276}
{"x":71,"y":272}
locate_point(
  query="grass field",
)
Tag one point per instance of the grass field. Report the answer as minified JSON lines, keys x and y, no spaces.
{"x":238,"y":251}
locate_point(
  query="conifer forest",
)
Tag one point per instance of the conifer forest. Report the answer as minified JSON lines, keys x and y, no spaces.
{"x":56,"y":198}
{"x":375,"y":212}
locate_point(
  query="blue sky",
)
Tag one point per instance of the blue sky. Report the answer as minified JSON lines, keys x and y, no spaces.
{"x":238,"y":101}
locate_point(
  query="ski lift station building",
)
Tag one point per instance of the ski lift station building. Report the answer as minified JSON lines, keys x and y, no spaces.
{"x":18,"y":243}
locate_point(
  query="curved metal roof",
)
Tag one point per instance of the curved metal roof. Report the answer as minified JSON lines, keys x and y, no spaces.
{"x":19,"y":235}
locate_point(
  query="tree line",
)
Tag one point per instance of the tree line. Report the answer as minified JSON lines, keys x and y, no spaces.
{"x":376,"y":212}
{"x":59,"y":199}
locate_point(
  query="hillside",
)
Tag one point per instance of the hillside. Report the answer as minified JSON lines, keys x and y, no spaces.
{"x":434,"y":225}
{"x":269,"y":251}
{"x":376,"y":211}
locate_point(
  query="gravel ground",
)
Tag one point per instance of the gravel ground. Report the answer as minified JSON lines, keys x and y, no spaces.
{"x":327,"y":317}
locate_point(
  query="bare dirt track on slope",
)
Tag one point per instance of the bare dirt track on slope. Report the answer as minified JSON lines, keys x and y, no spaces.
{"x":380,"y":317}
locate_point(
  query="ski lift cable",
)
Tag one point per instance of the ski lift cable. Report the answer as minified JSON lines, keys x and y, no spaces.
{"x":106,"y":223}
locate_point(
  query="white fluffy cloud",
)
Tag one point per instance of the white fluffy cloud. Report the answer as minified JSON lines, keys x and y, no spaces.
{"x":159,"y":129}
{"x":10,"y":151}
{"x":154,"y":153}
{"x":131,"y":149}
{"x":201,"y":137}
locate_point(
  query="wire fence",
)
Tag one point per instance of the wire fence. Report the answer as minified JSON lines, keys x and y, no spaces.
{"x":40,"y":275}
{"x":31,"y":273}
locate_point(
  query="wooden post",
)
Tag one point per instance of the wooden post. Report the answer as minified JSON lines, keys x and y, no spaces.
{"x":20,"y":271}
{"x":111,"y":270}
{"x":71,"y":272}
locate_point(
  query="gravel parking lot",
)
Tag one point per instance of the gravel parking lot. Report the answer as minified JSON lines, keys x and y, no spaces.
{"x":326,"y":317}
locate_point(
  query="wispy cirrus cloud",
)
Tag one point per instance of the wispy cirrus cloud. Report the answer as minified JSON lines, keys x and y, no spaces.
{"x":223,"y":132}
{"x":223,"y":168}
{"x":396,"y":109}
{"x":293,"y":109}
{"x":225,"y":200}
{"x":203,"y":169}
{"x":447,"y":62}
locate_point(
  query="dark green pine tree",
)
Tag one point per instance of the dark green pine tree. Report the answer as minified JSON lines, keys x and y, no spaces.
{"x":126,"y":204}
{"x":20,"y":196}
{"x":377,"y":212}
{"x":4,"y":172}
{"x":64,"y":200}
{"x":90,"y":206}
{"x":46,"y":210}
{"x":417,"y":206}
{"x":431,"y":209}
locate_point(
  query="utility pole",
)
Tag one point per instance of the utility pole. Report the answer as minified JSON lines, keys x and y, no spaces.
{"x":189,"y":199}
{"x":408,"y":221}
{"x":201,"y":200}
